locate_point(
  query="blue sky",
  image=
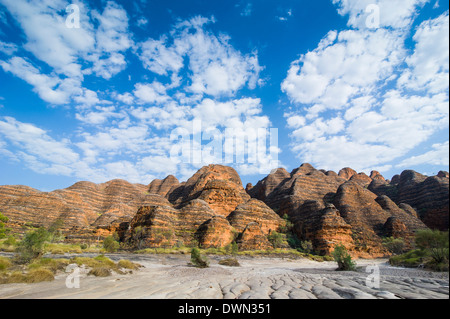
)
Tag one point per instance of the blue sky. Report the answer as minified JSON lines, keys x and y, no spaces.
{"x":347,"y":83}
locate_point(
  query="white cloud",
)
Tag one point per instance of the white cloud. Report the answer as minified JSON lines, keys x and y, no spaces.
{"x":343,"y":66}
{"x":160,"y":59}
{"x":396,"y":14}
{"x":71,"y":53}
{"x":100,"y":116}
{"x":429,"y":64}
{"x":439,"y":155}
{"x":8,"y":48}
{"x":216,"y":68}
{"x":153,"y":93}
{"x":126,"y":98}
{"x":285,"y":14}
{"x":112,"y":39}
{"x":51,"y":89}
{"x":142,"y":22}
{"x":41,"y":152}
{"x":47,"y":36}
{"x":358,"y":103}
{"x":159,"y":164}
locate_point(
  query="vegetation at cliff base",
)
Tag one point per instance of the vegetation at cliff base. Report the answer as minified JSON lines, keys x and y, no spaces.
{"x":431,"y":251}
{"x":110,"y":244}
{"x":3,"y":229}
{"x":395,"y":245}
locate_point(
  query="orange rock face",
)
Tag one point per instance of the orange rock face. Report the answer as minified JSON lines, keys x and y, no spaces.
{"x":347,"y":173}
{"x":323,"y":226}
{"x":253,"y":238}
{"x":83,"y":206}
{"x":215,"y":232}
{"x":255,"y":211}
{"x":163,"y":187}
{"x":329,"y":208}
{"x":367,"y":213}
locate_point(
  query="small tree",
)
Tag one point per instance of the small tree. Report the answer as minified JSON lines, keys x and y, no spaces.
{"x":33,"y":244}
{"x":395,"y":245}
{"x":55,"y":231}
{"x":276,"y":239}
{"x":3,"y":230}
{"x":197,"y":260}
{"x":288,"y":225}
{"x":110,"y":244}
{"x":306,"y":246}
{"x":343,"y":258}
{"x":436,"y":242}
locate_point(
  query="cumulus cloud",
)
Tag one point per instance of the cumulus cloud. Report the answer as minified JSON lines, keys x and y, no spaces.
{"x":97,"y":47}
{"x":216,"y":68}
{"x":396,"y":14}
{"x":8,"y":48}
{"x":439,"y":155}
{"x":344,"y":65}
{"x":50,"y":88}
{"x":361,"y":99}
{"x":429,"y":64}
{"x":43,"y":153}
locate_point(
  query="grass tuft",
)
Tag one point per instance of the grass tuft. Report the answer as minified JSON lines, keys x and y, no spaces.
{"x":231,"y":262}
{"x":100,"y":272}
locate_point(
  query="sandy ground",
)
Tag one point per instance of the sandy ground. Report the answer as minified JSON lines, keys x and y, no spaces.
{"x":169,"y":276}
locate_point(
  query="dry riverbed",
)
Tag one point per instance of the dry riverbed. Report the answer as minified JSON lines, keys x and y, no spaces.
{"x":169,"y":276}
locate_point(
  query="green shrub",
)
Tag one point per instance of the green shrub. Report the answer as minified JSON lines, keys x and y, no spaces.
{"x":343,"y":258}
{"x":15,"y":277}
{"x":232,"y":248}
{"x":105,"y":261}
{"x":276,"y":239}
{"x":39,"y":275}
{"x":197,"y":260}
{"x":33,"y":276}
{"x":306,"y":246}
{"x":3,"y":230}
{"x":395,"y":245}
{"x":32,"y":245}
{"x":5,"y":263}
{"x":434,"y":241}
{"x":10,"y":241}
{"x":127,"y":264}
{"x":110,"y":244}
{"x":49,"y":263}
{"x":288,"y":225}
{"x":412,"y":258}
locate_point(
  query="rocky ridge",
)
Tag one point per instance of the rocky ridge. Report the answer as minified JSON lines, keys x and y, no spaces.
{"x":212,"y":208}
